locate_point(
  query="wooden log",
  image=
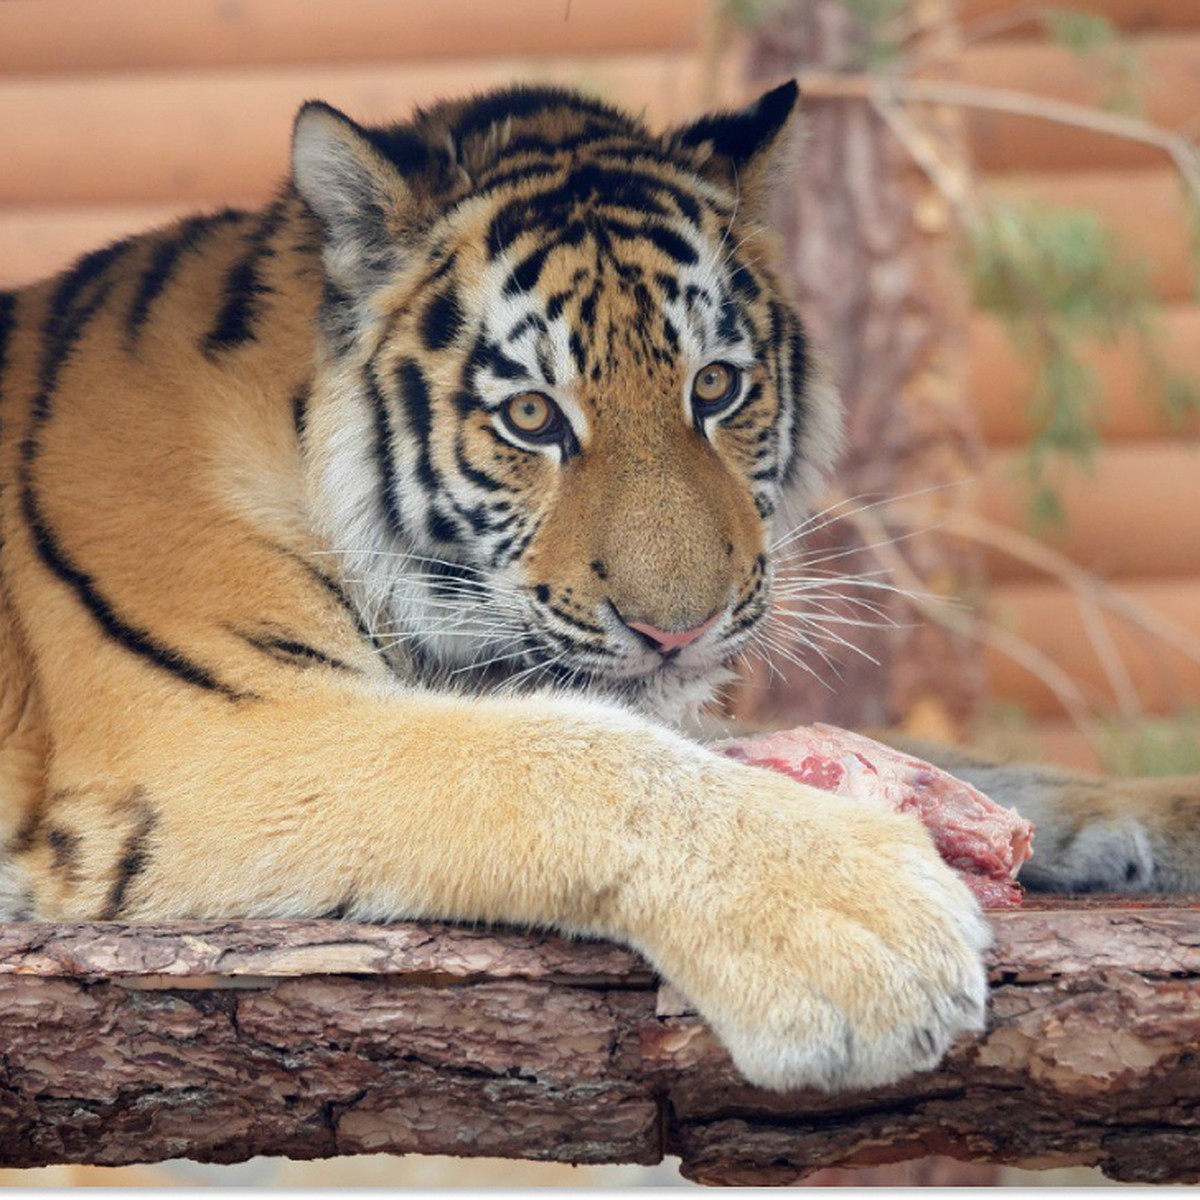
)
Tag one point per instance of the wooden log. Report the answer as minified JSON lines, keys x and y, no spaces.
{"x":1169,"y":90}
{"x":36,"y":242}
{"x":164,"y":137}
{"x":218,"y":1042}
{"x":40,"y":36}
{"x":1137,"y":16}
{"x":1133,"y":405}
{"x":1146,"y":209}
{"x":1045,"y":740}
{"x":1048,"y":616}
{"x":1081,"y":1028}
{"x":1134,"y":514}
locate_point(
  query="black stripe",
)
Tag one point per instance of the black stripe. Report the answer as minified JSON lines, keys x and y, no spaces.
{"x":746,"y":622}
{"x":797,"y":356}
{"x":64,"y":852}
{"x":489,"y":355}
{"x":529,"y":321}
{"x":728,"y":318}
{"x":447,"y":263}
{"x":139,"y":641}
{"x":440,"y":527}
{"x":457,"y":581}
{"x":672,"y":244}
{"x":385,"y":445}
{"x":338,"y":321}
{"x":479,"y":517}
{"x":26,"y":835}
{"x":688,"y":204}
{"x":528,"y":271}
{"x":466,"y":402}
{"x":69,"y":314}
{"x":335,"y":590}
{"x":414,"y":395}
{"x":589,"y":187}
{"x":575,"y":622}
{"x":165,"y":261}
{"x":244,"y":287}
{"x":135,"y":858}
{"x":524,"y":101}
{"x":300,"y":414}
{"x":531,"y":144}
{"x":669,"y":285}
{"x":8,"y":322}
{"x":443,"y":320}
{"x":578,"y":351}
{"x":587,"y":307}
{"x":558,"y":302}
{"x":474,"y":474}
{"x":514,"y":175}
{"x":293,"y":652}
{"x":743,"y":281}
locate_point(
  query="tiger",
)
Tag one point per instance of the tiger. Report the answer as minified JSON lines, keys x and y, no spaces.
{"x":375,"y":554}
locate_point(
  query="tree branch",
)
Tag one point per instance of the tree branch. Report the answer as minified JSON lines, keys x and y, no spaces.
{"x":315,"y":1038}
{"x":885,"y":88}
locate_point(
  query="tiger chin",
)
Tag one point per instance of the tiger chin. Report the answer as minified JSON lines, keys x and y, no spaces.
{"x":364,"y":553}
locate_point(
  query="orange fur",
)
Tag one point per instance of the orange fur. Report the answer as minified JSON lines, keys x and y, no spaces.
{"x":223,"y":443}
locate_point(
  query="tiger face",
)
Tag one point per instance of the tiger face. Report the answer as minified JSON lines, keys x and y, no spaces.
{"x":564,"y":400}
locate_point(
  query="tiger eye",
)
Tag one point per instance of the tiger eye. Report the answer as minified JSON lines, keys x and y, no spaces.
{"x":715,"y":386}
{"x":531,"y":414}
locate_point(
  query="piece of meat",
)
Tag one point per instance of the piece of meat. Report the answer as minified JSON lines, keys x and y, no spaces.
{"x":984,"y":843}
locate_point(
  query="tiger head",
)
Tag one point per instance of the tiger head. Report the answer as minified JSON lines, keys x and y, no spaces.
{"x":564,"y":405}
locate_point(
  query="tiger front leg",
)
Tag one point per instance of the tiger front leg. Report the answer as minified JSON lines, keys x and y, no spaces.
{"x":826,"y":947}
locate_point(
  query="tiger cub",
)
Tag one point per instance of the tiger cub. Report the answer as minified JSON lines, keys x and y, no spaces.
{"x":362,"y":555}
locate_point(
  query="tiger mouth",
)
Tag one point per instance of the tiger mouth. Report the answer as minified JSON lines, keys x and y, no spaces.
{"x":604,"y":667}
{"x":490,"y":636}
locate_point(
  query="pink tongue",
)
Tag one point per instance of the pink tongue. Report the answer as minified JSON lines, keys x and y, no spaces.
{"x":673,"y":641}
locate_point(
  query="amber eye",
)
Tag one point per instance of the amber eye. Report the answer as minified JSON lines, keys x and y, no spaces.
{"x":533,"y":417}
{"x":714,"y":388}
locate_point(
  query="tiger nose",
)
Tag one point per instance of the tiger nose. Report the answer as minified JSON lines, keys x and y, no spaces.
{"x":664,"y":641}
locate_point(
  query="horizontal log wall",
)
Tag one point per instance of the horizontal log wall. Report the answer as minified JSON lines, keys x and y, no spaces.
{"x":1133,"y":518}
{"x":119,"y":35}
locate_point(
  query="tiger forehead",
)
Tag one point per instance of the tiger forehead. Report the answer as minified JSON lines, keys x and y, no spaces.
{"x":622,"y":185}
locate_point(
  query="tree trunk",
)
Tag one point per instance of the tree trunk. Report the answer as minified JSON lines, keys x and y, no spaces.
{"x":317,"y":1038}
{"x":870,"y":244}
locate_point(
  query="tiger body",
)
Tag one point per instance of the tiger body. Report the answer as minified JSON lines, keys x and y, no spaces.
{"x":303,"y":613}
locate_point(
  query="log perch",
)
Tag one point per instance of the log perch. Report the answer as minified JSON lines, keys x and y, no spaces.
{"x":218,"y":1042}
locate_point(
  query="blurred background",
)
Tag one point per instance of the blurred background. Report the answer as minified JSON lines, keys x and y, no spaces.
{"x":994,"y":238}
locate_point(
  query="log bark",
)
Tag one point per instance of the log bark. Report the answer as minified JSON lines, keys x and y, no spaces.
{"x":870,"y":248}
{"x":319,"y":1038}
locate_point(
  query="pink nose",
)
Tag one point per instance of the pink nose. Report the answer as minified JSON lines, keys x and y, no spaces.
{"x":664,"y":641}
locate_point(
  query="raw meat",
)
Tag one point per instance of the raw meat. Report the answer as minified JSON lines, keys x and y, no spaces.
{"x":984,"y":843}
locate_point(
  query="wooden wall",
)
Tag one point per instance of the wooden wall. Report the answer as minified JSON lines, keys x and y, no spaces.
{"x":1136,"y":521}
{"x":115,"y":115}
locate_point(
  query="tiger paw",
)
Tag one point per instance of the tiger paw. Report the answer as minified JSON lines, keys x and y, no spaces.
{"x":838,"y":951}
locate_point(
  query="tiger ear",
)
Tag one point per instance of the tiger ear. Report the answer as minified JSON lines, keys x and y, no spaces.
{"x":749,"y":151}
{"x":358,"y":194}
